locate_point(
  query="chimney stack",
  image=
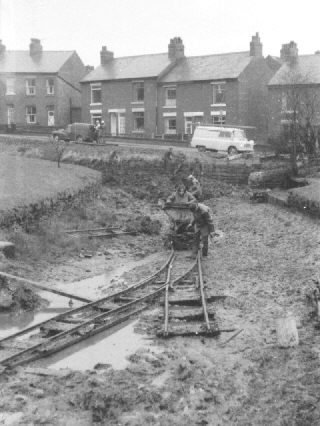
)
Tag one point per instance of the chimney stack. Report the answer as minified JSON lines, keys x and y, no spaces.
{"x":88,"y":68}
{"x":256,"y":46}
{"x":289,"y":52}
{"x":175,"y":49}
{"x":105,"y":55}
{"x":2,"y":48}
{"x":35,"y":48}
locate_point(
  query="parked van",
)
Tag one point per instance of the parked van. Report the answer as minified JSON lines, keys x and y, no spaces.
{"x":76,"y":132}
{"x":229,"y":139}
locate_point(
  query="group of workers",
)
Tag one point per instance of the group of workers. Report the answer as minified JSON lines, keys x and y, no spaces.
{"x":202,"y":221}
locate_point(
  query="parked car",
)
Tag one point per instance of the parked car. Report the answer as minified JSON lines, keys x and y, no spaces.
{"x":211,"y":138}
{"x":76,"y":132}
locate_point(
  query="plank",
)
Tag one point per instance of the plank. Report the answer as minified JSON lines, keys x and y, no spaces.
{"x":194,"y":313}
{"x":191,"y":330}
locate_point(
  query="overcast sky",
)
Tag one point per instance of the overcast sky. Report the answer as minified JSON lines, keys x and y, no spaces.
{"x":133,"y":27}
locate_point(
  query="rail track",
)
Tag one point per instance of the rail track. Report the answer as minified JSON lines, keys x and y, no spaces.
{"x":72,"y":326}
{"x":185,"y":301}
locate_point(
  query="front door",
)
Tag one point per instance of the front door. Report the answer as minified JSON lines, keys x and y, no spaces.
{"x":50,"y":118}
{"x":122,"y":124}
{"x":113,"y":124}
{"x":10,"y":114}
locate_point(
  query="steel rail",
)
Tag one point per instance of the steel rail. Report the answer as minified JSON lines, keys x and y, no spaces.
{"x":166,"y":300}
{"x":78,"y":327}
{"x":203,"y":298}
{"x":84,"y":324}
{"x":91,"y":304}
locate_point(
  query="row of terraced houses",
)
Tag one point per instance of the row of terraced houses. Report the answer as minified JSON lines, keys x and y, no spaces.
{"x":151,"y":95}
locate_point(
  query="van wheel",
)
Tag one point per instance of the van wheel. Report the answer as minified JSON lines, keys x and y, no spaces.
{"x":79,"y":139}
{"x":232,"y":150}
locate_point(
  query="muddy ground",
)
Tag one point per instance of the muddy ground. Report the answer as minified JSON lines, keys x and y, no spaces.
{"x":265,"y":264}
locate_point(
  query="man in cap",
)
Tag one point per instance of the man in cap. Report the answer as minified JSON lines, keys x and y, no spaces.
{"x":203,"y":224}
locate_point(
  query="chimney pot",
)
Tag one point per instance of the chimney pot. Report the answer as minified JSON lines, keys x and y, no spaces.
{"x":105,"y":55}
{"x":256,"y":46}
{"x":175,"y":48}
{"x":35,"y":48}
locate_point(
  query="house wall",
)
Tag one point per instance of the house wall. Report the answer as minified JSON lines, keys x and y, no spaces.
{"x":67,"y":88}
{"x":253,"y":97}
{"x":197,"y":97}
{"x":119,"y":95}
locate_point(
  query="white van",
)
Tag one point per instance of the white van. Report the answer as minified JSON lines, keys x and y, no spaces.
{"x":228,"y":139}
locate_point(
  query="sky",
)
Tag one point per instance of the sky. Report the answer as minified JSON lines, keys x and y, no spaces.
{"x":135,"y":27}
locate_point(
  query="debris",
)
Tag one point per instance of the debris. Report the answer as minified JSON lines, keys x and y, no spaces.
{"x":7,"y":248}
{"x":47,"y":372}
{"x":41,"y":287}
{"x":287,"y":333}
{"x":230,"y":338}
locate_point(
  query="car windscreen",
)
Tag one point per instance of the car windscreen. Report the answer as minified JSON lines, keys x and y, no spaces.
{"x":239,"y":134}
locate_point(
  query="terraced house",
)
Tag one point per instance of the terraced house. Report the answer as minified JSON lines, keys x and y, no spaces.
{"x":294,"y":91}
{"x":168,"y":93}
{"x":39,"y":88}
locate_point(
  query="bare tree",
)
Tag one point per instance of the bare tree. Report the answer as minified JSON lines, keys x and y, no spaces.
{"x":300,"y":109}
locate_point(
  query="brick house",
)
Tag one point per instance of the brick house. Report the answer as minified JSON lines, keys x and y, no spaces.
{"x":168,"y":93}
{"x":296,"y":81}
{"x":38,"y":87}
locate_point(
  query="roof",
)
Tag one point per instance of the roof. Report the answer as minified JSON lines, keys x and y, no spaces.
{"x":210,"y":67}
{"x":306,"y":70}
{"x":130,"y":67}
{"x":20,"y":61}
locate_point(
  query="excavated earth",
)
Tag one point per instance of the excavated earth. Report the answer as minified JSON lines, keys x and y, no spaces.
{"x":266,"y":263}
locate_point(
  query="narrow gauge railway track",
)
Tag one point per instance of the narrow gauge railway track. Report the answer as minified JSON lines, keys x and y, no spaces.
{"x":185,"y":303}
{"x":70,"y":327}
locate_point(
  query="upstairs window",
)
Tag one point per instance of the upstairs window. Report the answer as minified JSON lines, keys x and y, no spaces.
{"x":138,"y":91}
{"x":31,"y":114}
{"x":218,"y":94}
{"x":138,"y":121}
{"x":171,"y":96}
{"x":30,"y":86}
{"x":50,"y":86}
{"x":10,"y":86}
{"x":96,"y":93}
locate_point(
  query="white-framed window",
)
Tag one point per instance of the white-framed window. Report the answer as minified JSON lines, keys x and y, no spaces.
{"x":96,"y":93}
{"x":218,"y":93}
{"x":138,"y":121}
{"x":170,"y":125}
{"x":11,"y":114}
{"x":10,"y":83}
{"x":219,"y":120}
{"x":171,"y":96}
{"x":50,"y":113}
{"x":138,"y":91}
{"x":31,"y":114}
{"x":30,"y":86}
{"x":50,"y":86}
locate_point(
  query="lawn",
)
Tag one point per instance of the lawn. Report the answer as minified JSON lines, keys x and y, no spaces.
{"x":25,"y":181}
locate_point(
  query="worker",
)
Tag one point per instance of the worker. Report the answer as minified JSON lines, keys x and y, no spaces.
{"x":167,"y":159}
{"x":203,"y":224}
{"x":181,"y":196}
{"x":195,"y":187}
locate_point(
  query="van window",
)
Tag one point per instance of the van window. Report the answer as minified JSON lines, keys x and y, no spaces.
{"x":224,"y":134}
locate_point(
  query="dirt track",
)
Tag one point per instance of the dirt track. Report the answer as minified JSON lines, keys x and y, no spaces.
{"x":265,"y":264}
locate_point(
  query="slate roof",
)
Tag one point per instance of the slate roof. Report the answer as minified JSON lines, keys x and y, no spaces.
{"x":130,"y":67}
{"x":20,"y":61}
{"x":305,"y":71}
{"x":209,"y":67}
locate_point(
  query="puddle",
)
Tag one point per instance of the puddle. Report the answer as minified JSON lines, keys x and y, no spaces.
{"x":110,"y":347}
{"x":92,"y":288}
{"x":11,"y":323}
